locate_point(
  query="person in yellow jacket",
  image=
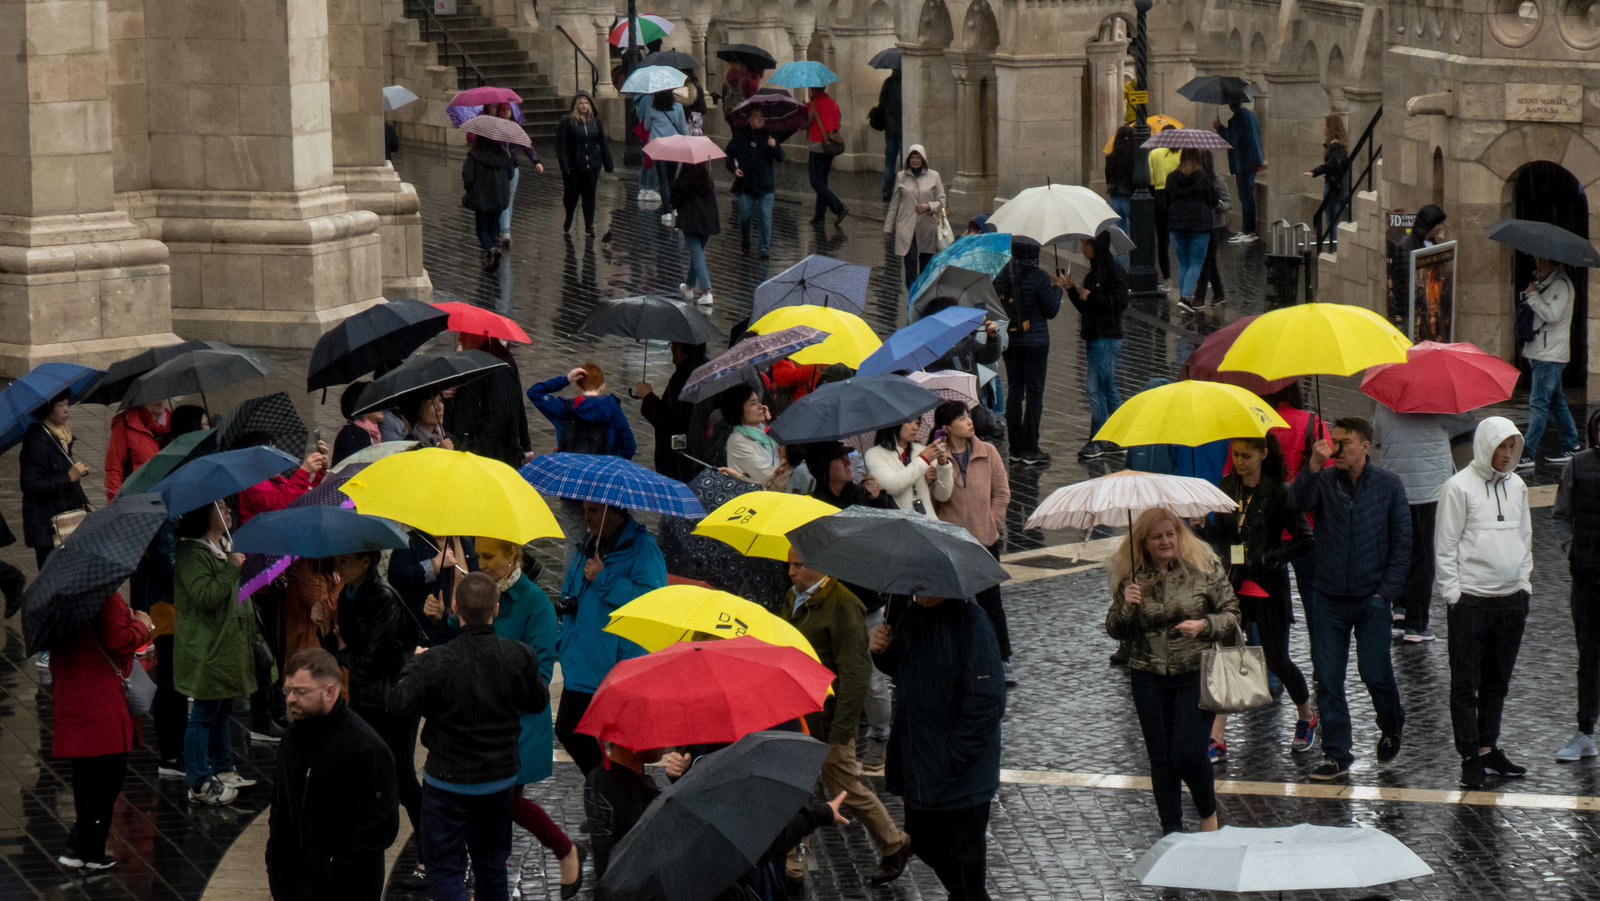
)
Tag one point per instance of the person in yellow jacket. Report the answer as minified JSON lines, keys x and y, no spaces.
{"x":1163,"y":162}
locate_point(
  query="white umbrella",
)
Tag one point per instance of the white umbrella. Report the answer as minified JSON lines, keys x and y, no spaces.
{"x":653,"y":79}
{"x":396,"y":96}
{"x":1111,"y":499}
{"x":1051,"y":211}
{"x":1287,"y":859}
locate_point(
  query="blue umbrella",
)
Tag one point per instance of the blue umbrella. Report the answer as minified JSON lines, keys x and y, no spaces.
{"x":802,"y":73}
{"x":987,"y":253}
{"x":317,"y":532}
{"x":817,"y":281}
{"x":651,"y":79}
{"x":923,"y":341}
{"x":611,"y":480}
{"x":23,"y":397}
{"x":212,"y":478}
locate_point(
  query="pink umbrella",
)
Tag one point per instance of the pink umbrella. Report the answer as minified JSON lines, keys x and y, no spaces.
{"x":497,"y":129}
{"x":683,"y":149}
{"x":484,"y":96}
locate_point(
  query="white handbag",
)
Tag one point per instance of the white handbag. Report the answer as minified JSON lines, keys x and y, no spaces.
{"x":1233,"y":679}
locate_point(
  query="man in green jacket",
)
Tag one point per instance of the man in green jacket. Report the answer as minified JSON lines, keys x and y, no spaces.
{"x":834,"y":621}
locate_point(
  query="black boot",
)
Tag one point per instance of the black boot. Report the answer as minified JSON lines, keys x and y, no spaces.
{"x":12,"y":583}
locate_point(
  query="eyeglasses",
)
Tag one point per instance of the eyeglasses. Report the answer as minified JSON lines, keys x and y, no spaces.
{"x":294,"y":691}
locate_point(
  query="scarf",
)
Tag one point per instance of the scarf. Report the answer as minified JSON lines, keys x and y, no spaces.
{"x":511,"y":579}
{"x":425,"y":436}
{"x":916,"y":171}
{"x":62,"y":434}
{"x":759,"y":436}
{"x":370,"y":427}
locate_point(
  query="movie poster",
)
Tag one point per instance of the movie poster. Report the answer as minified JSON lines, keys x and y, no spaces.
{"x":1398,"y":223}
{"x":1433,"y":293}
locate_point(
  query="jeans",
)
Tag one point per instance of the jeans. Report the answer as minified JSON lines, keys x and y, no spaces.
{"x":1246,"y":182}
{"x":1191,"y":248}
{"x":580,"y":185}
{"x":1334,"y":619}
{"x":955,"y":843}
{"x":505,"y":214}
{"x":698,"y":276}
{"x":583,"y":749}
{"x":891,"y":164}
{"x":819,"y":165}
{"x":455,"y":826}
{"x":1102,"y":383}
{"x":487,"y":223}
{"x":1025,"y":372}
{"x":878,"y":707}
{"x":1586,"y":628}
{"x":96,"y":782}
{"x":1124,"y":208}
{"x":208,"y":741}
{"x":1419,"y":575}
{"x":1545,"y":396}
{"x":752,"y":206}
{"x":1177,"y":736}
{"x":1485,"y":635}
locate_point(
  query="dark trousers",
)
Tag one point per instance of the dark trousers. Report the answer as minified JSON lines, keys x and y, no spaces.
{"x":96,"y":782}
{"x":455,"y":827}
{"x":40,"y":554}
{"x":1025,"y":371}
{"x":1177,"y":736}
{"x":1210,"y":275}
{"x":1485,"y":635}
{"x":583,"y":749}
{"x":170,"y":709}
{"x":1161,"y":234}
{"x":955,"y":844}
{"x":400,"y":736}
{"x":1334,"y":618}
{"x":576,"y":186}
{"x":820,"y":164}
{"x":1419,"y":574}
{"x":915,"y":262}
{"x":1270,"y":615}
{"x":989,"y":601}
{"x":487,"y":225}
{"x":1586,"y":624}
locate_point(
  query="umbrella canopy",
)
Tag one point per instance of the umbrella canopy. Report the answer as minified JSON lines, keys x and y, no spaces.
{"x":650,"y":319}
{"x":443,"y":492}
{"x":663,"y":617}
{"x":110,"y":387}
{"x":396,"y":96}
{"x":886,"y":59}
{"x":677,"y":59}
{"x":1158,"y":122}
{"x":748,"y":54}
{"x":213,"y":477}
{"x":1544,"y":239}
{"x":375,"y":453}
{"x":1120,"y":243}
{"x":1050,"y":211}
{"x":423,"y":377}
{"x":850,"y":340}
{"x":179,"y":451}
{"x":1187,"y":138}
{"x":924,"y":341}
{"x":272,"y":414}
{"x":460,"y":115}
{"x":966,"y":288}
{"x":1217,"y":89}
{"x":1441,"y":378}
{"x":484,"y":95}
{"x":898,"y":552}
{"x":467,"y":319}
{"x":638,"y":31}
{"x":377,"y":337}
{"x":815,"y":281}
{"x":1285,"y":859}
{"x":949,"y":384}
{"x":783,"y":113}
{"x":706,"y":560}
{"x":36,"y":390}
{"x":1120,"y":496}
{"x":758,"y":524}
{"x":197,"y":371}
{"x":317,"y":531}
{"x":81,"y":574}
{"x":703,"y":833}
{"x":1315,"y":339}
{"x":652,"y":78}
{"x":1190,"y":413}
{"x":683,"y":149}
{"x":746,"y":357}
{"x":704,"y":692}
{"x":1203,"y":362}
{"x":497,"y":129}
{"x":259,"y":569}
{"x":802,"y":73}
{"x":610,"y":480}
{"x":987,"y":253}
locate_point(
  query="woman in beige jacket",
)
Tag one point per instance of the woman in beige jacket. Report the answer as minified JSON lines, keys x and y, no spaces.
{"x":912,"y":222}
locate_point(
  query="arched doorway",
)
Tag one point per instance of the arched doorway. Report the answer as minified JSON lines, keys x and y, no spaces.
{"x":1545,"y":192}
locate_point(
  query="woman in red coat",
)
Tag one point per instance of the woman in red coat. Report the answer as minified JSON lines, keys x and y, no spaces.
{"x":135,"y":437}
{"x":824,"y":124}
{"x":93,"y":726}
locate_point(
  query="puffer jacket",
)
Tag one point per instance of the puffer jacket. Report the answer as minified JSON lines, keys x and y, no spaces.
{"x":1363,"y":530}
{"x":1483,"y":537}
{"x":1028,"y":296}
{"x":1552,"y":308}
{"x":1416,"y":447}
{"x":1172,"y":596}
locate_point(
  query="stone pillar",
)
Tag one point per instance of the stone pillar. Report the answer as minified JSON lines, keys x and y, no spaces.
{"x":926,"y":86}
{"x":77,"y":279}
{"x":1106,"y":102}
{"x":857,"y":92}
{"x":1291,"y":135}
{"x":1041,"y":122}
{"x":971,"y":182}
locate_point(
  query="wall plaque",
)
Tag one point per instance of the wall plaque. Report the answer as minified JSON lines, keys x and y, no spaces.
{"x":1544,"y":102}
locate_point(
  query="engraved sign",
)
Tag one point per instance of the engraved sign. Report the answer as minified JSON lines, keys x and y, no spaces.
{"x":1544,"y":102}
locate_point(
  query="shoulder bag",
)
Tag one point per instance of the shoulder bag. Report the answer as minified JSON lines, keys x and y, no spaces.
{"x":1233,"y":679}
{"x":138,"y":689}
{"x":947,"y":236}
{"x":63,"y":524}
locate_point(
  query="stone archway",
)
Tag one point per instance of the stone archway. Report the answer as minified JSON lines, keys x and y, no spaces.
{"x":1547,"y":192}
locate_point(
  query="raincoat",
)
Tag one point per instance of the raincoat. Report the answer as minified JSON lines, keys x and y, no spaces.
{"x":215,"y":637}
{"x":903,"y":221}
{"x":633,"y":566}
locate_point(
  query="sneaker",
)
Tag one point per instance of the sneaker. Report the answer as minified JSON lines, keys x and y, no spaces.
{"x":1578,"y":747}
{"x":233,"y":780}
{"x":1184,"y":305}
{"x":170,"y":769}
{"x":1527,"y":460}
{"x":103,"y":862}
{"x":269,"y":731}
{"x":1305,"y":733}
{"x":1018,"y":458}
{"x":70,"y":860}
{"x":1218,"y":752}
{"x":1397,"y":614}
{"x":1238,"y":238}
{"x":1388,"y":746}
{"x":1396,"y":633}
{"x":1472,"y":775}
{"x":1249,"y":239}
{"x":705,"y":298}
{"x":1037,"y":458}
{"x":213,"y":794}
{"x":666,"y":219}
{"x":1011,"y":674}
{"x":1091,"y":450}
{"x":1415,"y":637}
{"x":842,"y":213}
{"x":1329,"y":770}
{"x":1496,"y":762}
{"x":686,"y":292}
{"x":1563,"y":456}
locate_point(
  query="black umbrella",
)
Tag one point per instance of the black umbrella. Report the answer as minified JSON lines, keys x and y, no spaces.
{"x":110,"y":387}
{"x":966,"y":287}
{"x":674,"y":59}
{"x":856,"y":405}
{"x":81,"y":574}
{"x":713,"y":562}
{"x":424,"y":377}
{"x":1544,"y":239}
{"x":372,"y":339}
{"x":1218,"y":89}
{"x":898,"y":552}
{"x":271,"y":414}
{"x":196,"y":372}
{"x":748,"y":54}
{"x":650,"y":319}
{"x":886,"y":59}
{"x":717,"y":822}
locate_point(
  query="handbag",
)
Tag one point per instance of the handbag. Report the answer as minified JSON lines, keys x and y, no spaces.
{"x":947,"y":236}
{"x":832,"y":144}
{"x":1233,"y":679}
{"x":138,"y":689}
{"x":62,"y":525}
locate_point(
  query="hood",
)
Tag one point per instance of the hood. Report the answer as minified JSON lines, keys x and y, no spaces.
{"x":581,"y":95}
{"x":1025,"y":252}
{"x":916,"y":148}
{"x":1102,"y":246}
{"x":1428,"y":217}
{"x":1490,"y":433}
{"x":598,"y":408}
{"x":982,"y":222}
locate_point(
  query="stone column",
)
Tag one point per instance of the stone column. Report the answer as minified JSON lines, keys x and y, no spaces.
{"x":1041,"y":123}
{"x":972,"y":180}
{"x":857,"y":92}
{"x":926,"y":86}
{"x":1107,"y":104}
{"x":77,"y":279}
{"x":1291,"y":136}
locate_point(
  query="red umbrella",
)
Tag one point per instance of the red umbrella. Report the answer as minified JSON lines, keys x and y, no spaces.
{"x":1202,"y":364}
{"x":484,"y":96}
{"x":1441,"y":378}
{"x":702,"y":692}
{"x":470,"y":320}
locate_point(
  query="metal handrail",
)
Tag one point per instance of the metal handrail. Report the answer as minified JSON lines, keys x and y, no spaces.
{"x":432,"y":21}
{"x":1346,"y":184}
{"x":577,"y":51}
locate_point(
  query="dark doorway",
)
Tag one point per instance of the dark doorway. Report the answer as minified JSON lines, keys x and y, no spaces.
{"x":1545,"y":192}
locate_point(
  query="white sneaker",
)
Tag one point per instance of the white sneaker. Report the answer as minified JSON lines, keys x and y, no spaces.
{"x":213,"y":794}
{"x":666,"y":219}
{"x":1578,"y":747}
{"x":685,"y":291}
{"x":233,"y":780}
{"x":704,"y":298}
{"x":1239,"y":238}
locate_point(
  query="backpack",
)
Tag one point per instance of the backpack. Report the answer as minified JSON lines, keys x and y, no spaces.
{"x":877,"y":119}
{"x":584,"y":436}
{"x":1524,"y":327}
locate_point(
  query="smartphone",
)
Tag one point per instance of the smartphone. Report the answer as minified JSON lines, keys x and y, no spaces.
{"x":938,"y":435}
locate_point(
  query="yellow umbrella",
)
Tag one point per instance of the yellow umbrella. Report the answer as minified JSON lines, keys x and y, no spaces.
{"x":1315,"y":339}
{"x":850,"y":340}
{"x":1190,"y":413}
{"x":757,"y":524}
{"x":1158,"y":122}
{"x":445,"y":492}
{"x":677,"y":613}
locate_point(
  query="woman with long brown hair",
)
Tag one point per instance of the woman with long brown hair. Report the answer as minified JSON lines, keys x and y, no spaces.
{"x":1335,"y":163}
{"x":1191,"y":198}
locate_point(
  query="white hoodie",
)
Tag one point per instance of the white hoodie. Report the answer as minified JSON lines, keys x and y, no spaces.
{"x":1483,"y":539}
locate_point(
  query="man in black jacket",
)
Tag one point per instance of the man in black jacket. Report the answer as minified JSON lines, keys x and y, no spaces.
{"x":470,"y":690}
{"x":1577,"y":521}
{"x":334,"y":805}
{"x":1031,"y":299}
{"x":751,"y":154}
{"x":1100,"y":302}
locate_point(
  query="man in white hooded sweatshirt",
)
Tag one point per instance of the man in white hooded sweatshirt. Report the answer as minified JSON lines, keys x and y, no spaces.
{"x":1483,"y":542}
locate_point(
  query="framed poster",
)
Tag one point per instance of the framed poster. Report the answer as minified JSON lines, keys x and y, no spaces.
{"x":1397,"y":222}
{"x":1433,"y":293}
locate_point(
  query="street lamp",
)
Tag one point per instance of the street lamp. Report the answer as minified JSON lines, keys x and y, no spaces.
{"x":632,"y":155}
{"x":1142,"y":280}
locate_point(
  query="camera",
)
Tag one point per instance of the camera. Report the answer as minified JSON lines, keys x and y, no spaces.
{"x":680,"y":442}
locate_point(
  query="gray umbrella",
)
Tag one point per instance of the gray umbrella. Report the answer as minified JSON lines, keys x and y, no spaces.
{"x":818,"y":281}
{"x":196,"y":372}
{"x":964,"y":286}
{"x":851,"y":407}
{"x":898,"y":552}
{"x":1544,"y":239}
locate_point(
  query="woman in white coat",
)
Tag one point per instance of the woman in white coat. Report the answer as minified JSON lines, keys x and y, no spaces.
{"x":914,"y":475}
{"x":912,"y":222}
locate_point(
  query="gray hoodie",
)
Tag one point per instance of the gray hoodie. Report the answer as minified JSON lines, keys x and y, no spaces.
{"x":1483,"y":539}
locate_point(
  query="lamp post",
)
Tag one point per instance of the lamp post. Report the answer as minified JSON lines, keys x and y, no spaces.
{"x":632,"y":155}
{"x":1142,"y":280}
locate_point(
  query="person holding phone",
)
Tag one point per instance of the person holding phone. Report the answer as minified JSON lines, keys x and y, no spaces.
{"x":908,"y":470}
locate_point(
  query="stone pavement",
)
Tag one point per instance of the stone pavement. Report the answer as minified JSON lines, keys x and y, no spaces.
{"x":1073,"y":814}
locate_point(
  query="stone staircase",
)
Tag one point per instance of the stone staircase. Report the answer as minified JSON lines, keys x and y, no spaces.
{"x":497,"y":57}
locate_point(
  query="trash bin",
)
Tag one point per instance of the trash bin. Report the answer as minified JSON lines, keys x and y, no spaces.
{"x":1291,"y":265}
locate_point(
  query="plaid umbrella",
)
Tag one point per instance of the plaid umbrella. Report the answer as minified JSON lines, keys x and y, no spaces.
{"x":746,"y":357}
{"x":816,"y":281}
{"x":1185,"y":138}
{"x":270,"y":414}
{"x":497,"y":129}
{"x":259,"y":569}
{"x":610,"y":480}
{"x":707,"y":560}
{"x":78,"y":578}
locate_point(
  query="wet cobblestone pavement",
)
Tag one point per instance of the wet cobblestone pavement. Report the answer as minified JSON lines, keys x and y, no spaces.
{"x":1056,"y":832}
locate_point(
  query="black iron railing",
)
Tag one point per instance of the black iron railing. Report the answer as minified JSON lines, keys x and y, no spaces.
{"x":577,"y":51}
{"x":1345,"y":193}
{"x":430,"y":24}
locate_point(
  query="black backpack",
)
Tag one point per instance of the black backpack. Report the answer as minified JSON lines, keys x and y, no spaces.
{"x":1524,"y":325}
{"x":584,"y":436}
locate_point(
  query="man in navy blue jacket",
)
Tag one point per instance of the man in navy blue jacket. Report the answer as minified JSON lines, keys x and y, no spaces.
{"x":1362,"y":551}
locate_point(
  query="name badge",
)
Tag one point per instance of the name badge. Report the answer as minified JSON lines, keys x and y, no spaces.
{"x":1236,"y":555}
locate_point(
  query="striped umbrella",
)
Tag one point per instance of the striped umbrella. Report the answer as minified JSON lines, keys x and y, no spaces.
{"x":649,"y":28}
{"x":1185,"y":138}
{"x":497,"y":129}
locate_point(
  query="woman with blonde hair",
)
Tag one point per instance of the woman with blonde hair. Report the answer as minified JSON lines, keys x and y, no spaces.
{"x":1170,"y":597}
{"x":1335,"y":162}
